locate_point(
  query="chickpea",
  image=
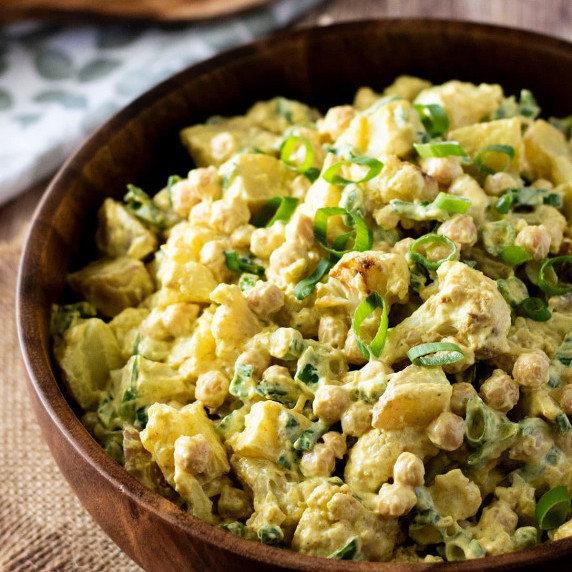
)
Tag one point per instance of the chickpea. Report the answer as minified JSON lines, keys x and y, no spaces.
{"x":356,"y":419}
{"x":566,"y":399}
{"x":333,"y":330}
{"x":409,"y":470}
{"x":241,"y":237}
{"x":500,"y":391}
{"x":193,"y":454}
{"x":336,"y":442}
{"x":300,"y":229}
{"x":223,"y":145}
{"x":258,"y":359}
{"x":386,"y":218}
{"x":228,"y":214}
{"x":212,"y":388}
{"x":402,"y":247}
{"x":264,"y":241}
{"x":265,"y":298}
{"x":446,"y":431}
{"x":319,"y":462}
{"x":330,"y":402}
{"x":395,"y":500}
{"x":542,"y":184}
{"x":498,"y":183}
{"x":531,"y":369}
{"x":351,"y":350}
{"x":535,"y":239}
{"x":178,"y":319}
{"x":212,"y":256}
{"x":444,"y":169}
{"x":460,"y":229}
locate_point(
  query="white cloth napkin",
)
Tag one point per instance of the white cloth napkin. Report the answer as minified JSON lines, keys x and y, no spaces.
{"x":59,"y":82}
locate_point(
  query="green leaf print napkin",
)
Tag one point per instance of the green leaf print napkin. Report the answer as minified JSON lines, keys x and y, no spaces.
{"x":59,"y":82}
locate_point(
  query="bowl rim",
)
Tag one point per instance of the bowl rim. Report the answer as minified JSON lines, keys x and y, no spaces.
{"x":42,"y":381}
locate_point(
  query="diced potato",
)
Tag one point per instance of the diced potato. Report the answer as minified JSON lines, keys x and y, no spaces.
{"x":185,"y":282}
{"x":214,"y":143}
{"x":256,"y":177}
{"x":166,"y":424}
{"x":113,"y":285}
{"x":125,"y":326}
{"x":389,"y":129}
{"x":544,"y":145}
{"x":119,"y":233}
{"x":145,"y":382}
{"x":85,"y":355}
{"x":464,"y":103}
{"x":474,"y":138}
{"x":268,"y":428}
{"x":407,"y":86}
{"x":414,"y":396}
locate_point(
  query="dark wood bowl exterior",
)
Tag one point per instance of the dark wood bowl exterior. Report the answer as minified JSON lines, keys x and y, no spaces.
{"x":140,"y":145}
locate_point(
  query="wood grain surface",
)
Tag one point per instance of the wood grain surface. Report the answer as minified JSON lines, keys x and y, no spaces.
{"x":11,"y":10}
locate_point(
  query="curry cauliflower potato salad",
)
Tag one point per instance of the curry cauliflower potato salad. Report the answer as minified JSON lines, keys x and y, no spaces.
{"x":348,"y":335}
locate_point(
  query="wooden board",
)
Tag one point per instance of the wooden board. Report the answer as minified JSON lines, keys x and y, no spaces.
{"x":12,"y":10}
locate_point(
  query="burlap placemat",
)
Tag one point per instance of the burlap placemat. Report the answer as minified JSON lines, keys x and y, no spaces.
{"x":43,"y":526}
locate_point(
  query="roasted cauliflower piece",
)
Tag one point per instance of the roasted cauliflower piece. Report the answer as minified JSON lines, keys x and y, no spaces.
{"x":468,"y":307}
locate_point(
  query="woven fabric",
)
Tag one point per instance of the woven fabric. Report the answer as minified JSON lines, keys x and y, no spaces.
{"x":43,"y":526}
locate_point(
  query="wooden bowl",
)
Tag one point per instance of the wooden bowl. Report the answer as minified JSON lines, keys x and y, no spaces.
{"x":140,"y":145}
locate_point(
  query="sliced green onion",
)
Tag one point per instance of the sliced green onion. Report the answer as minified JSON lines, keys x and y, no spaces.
{"x":552,"y":508}
{"x":451,"y":203}
{"x":563,"y":423}
{"x":440,"y":149}
{"x":431,"y":239}
{"x":528,"y":196}
{"x":434,"y":118}
{"x":274,"y":210}
{"x":365,"y":308}
{"x":480,"y":159}
{"x":528,"y":105}
{"x":304,"y":288}
{"x":421,"y":354}
{"x":553,"y":288}
{"x":239,"y":265}
{"x":142,"y":206}
{"x":363,"y":234}
{"x":535,"y":309}
{"x":247,"y":281}
{"x":514,"y":255}
{"x":331,"y":173}
{"x":170,"y":182}
{"x":288,"y":148}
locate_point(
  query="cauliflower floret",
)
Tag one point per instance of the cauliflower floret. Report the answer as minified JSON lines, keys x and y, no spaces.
{"x":399,"y":180}
{"x":361,"y":273}
{"x":468,"y":307}
{"x":333,"y":517}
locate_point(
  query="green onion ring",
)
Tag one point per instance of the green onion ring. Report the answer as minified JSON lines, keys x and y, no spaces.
{"x":535,"y":309}
{"x":363,"y":236}
{"x":420,"y":355}
{"x":547,"y":287}
{"x":440,"y":149}
{"x":365,"y":308}
{"x":434,"y":118}
{"x":331,"y":173}
{"x":288,"y":148}
{"x":274,"y":210}
{"x":552,"y":508}
{"x":480,"y":158}
{"x":304,"y":288}
{"x":514,"y":255}
{"x":431,"y":238}
{"x":451,"y":203}
{"x":235,"y":264}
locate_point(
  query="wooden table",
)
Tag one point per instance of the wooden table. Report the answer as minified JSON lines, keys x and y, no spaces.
{"x":549,"y":16}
